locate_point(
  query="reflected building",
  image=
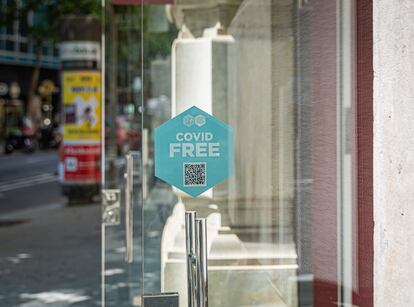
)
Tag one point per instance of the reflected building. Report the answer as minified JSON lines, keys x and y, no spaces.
{"x":17,"y":62}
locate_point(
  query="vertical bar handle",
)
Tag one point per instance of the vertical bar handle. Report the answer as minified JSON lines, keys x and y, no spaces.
{"x":129,"y":251}
{"x":190,"y":235}
{"x":202,"y":272}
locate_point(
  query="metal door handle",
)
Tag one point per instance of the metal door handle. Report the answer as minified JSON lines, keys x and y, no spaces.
{"x":201,"y":252}
{"x":129,"y":235}
{"x":190,"y":234}
{"x":196,"y":247}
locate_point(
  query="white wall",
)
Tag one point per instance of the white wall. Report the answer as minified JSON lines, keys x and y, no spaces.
{"x":394,"y":153}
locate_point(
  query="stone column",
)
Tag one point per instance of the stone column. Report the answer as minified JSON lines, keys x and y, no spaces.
{"x":393,"y":152}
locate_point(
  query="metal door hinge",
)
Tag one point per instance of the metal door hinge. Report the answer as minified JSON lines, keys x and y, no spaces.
{"x":111,"y":202}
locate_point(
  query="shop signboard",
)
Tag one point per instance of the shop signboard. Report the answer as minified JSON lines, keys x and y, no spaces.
{"x":194,"y":151}
{"x":82,"y":126}
{"x":80,"y":50}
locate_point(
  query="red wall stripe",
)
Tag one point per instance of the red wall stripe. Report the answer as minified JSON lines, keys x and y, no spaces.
{"x":364,"y":96}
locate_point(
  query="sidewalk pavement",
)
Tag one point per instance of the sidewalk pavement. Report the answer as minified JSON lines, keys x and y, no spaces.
{"x":51,"y":256}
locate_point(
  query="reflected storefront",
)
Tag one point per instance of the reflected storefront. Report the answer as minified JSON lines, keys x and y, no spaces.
{"x":283,"y":229}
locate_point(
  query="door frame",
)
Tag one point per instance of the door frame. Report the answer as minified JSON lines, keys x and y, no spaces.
{"x":324,"y":156}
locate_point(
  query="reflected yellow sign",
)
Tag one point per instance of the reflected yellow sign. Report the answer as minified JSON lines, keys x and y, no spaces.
{"x":82,"y":106}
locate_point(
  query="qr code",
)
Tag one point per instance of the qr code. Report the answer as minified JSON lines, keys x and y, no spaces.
{"x":194,"y":174}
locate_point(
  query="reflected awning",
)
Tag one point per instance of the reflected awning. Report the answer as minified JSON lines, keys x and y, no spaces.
{"x":135,"y":2}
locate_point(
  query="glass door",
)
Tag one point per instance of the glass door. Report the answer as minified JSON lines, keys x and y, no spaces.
{"x":122,"y":156}
{"x":280,"y":228}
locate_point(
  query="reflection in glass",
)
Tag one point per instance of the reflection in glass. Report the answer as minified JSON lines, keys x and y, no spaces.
{"x":280,"y":230}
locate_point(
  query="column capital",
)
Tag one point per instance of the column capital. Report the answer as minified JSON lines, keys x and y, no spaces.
{"x":199,"y":15}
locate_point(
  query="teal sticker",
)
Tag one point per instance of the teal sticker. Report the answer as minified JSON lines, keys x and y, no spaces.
{"x":193,"y":151}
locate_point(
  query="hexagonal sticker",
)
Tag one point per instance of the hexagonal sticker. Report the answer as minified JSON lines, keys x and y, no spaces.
{"x":193,"y":151}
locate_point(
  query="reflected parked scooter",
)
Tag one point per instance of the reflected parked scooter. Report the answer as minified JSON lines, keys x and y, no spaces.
{"x":21,"y":137}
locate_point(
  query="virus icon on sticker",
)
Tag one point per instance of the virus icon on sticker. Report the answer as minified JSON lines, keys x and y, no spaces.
{"x":200,"y":120}
{"x":188,"y":120}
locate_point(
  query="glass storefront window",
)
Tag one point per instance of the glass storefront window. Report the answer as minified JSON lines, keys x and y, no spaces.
{"x":280,"y":73}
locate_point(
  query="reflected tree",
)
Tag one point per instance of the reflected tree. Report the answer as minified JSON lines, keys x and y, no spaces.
{"x":41,"y":20}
